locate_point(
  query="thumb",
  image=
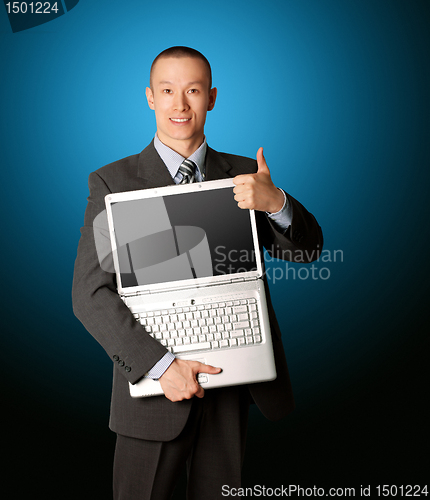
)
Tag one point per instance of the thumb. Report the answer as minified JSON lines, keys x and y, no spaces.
{"x":261,"y":162}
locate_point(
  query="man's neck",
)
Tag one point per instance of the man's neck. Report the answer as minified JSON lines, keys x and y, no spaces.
{"x":184,"y":148}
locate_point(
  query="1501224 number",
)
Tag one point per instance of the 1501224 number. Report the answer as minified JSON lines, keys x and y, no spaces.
{"x":31,"y":8}
{"x":402,"y":491}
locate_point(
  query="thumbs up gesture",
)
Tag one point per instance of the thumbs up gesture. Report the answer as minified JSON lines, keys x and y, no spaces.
{"x":257,"y":191}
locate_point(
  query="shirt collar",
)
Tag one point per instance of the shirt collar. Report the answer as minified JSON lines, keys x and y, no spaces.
{"x":173,"y":160}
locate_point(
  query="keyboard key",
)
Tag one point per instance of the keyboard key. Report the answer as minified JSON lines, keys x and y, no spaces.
{"x":241,"y":324}
{"x":223,"y":343}
{"x":240,"y":309}
{"x":257,"y":339}
{"x":237,"y":333}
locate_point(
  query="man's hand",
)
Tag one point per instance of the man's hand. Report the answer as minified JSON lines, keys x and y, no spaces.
{"x":257,"y":191}
{"x":179,"y":381}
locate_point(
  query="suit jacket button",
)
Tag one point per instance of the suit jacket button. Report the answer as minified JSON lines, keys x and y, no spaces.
{"x":127,"y":369}
{"x":116,"y":358}
{"x":121,"y":362}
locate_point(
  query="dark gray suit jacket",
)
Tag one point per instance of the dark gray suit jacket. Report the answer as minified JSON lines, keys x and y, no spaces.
{"x":98,"y":306}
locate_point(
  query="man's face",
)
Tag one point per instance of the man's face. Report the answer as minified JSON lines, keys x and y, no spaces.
{"x":180,"y":97}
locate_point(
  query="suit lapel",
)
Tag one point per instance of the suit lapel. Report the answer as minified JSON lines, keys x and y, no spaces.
{"x":154,"y":173}
{"x":152,"y":169}
{"x":216,"y":166}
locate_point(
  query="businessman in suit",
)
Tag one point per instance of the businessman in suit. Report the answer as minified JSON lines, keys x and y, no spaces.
{"x":206,"y":430}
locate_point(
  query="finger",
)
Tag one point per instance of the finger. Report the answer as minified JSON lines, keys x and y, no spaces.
{"x":241,"y":188}
{"x":208,"y":369}
{"x":261,"y":162}
{"x":200,"y":393}
{"x":242,"y":179}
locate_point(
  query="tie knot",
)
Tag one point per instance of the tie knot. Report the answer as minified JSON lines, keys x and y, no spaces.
{"x":188,"y":171}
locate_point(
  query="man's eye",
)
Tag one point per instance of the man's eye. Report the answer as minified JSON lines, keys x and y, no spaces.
{"x":192,"y":91}
{"x":167,"y":91}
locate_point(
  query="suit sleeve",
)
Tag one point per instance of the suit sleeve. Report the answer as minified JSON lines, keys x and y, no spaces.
{"x":302,"y":241}
{"x":98,"y":306}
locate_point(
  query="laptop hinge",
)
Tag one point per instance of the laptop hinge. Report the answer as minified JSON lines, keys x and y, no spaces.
{"x":237,"y":280}
{"x":187,"y":287}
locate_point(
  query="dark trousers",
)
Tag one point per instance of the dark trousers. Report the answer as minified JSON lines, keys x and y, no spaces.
{"x":212,"y":444}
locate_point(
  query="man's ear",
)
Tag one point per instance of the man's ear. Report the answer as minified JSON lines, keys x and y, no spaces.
{"x":212,"y":98}
{"x":150,"y":97}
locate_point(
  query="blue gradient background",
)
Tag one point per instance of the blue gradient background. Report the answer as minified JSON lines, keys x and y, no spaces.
{"x":338,"y":94}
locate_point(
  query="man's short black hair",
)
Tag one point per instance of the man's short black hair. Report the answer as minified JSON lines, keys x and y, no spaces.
{"x":180,"y":51}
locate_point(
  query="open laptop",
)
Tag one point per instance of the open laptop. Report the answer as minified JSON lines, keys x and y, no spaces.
{"x":189,"y":268}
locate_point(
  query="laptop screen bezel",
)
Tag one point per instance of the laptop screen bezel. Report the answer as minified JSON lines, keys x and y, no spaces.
{"x":113,"y":198}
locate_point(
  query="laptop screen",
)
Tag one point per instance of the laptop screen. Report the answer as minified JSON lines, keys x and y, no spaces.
{"x":198,"y":234}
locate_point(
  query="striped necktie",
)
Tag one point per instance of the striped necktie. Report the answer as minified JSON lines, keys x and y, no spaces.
{"x":188,"y":171}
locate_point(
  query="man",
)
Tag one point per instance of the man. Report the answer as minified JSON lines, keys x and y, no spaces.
{"x":157,"y":435}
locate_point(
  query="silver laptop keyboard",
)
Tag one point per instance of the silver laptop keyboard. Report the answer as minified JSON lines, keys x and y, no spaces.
{"x":204,"y":327}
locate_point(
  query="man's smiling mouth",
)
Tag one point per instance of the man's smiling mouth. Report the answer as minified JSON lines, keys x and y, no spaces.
{"x":180,"y":120}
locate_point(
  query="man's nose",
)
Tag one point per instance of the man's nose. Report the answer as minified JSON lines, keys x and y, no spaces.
{"x":180,"y":102}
